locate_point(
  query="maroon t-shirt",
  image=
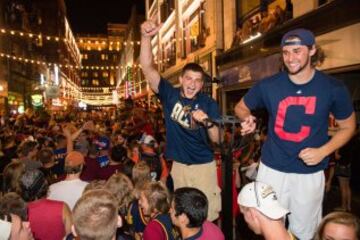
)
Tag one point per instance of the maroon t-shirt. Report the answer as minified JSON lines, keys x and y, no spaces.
{"x":93,"y":171}
{"x":154,"y":231}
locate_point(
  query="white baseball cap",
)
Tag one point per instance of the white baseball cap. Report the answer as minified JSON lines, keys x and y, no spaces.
{"x":148,"y":139}
{"x":263,"y":198}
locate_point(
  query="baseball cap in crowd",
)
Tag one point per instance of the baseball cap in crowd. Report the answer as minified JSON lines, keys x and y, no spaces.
{"x":102,"y":143}
{"x":305,"y":37}
{"x":148,"y":140}
{"x":262,"y":197}
{"x":74,"y":159}
{"x":33,"y":184}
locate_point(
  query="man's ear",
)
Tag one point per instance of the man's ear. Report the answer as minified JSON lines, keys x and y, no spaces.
{"x":73,"y":230}
{"x":313,"y":50}
{"x":119,"y":222}
{"x":180,"y":79}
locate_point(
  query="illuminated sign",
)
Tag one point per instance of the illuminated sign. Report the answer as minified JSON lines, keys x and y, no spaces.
{"x":37,"y":100}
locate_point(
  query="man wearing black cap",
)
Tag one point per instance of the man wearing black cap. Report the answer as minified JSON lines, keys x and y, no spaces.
{"x":299,"y":101}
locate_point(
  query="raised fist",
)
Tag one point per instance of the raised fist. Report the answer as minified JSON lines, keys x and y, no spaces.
{"x":149,"y":28}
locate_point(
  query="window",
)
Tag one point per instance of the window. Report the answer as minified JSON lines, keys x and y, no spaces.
{"x":95,"y":82}
{"x":95,"y":74}
{"x":104,"y":57}
{"x":105,"y":74}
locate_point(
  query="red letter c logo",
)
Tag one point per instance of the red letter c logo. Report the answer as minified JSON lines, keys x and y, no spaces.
{"x":308,"y":102}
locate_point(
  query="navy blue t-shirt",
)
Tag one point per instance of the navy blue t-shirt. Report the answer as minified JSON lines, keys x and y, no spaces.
{"x":59,"y":156}
{"x":187,"y":142}
{"x":298,"y":117}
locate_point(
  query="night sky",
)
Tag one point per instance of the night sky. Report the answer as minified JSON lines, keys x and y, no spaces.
{"x":91,"y":16}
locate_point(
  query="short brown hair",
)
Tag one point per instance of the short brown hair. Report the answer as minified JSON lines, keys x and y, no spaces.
{"x":45,"y":155}
{"x":11,"y":176}
{"x":158,"y":197}
{"x":95,"y":215}
{"x":193,"y":67}
{"x":343,"y":218}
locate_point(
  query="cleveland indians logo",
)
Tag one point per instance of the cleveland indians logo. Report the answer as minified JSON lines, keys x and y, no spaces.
{"x":308,"y":102}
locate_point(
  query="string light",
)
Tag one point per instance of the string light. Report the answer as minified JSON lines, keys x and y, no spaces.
{"x":57,"y":38}
{"x":87,"y":67}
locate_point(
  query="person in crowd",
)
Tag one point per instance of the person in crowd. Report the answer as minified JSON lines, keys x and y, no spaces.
{"x":93,"y":185}
{"x":263,"y":212}
{"x":95,"y":216}
{"x":63,"y":145}
{"x":9,"y":151}
{"x":296,"y":150}
{"x":11,"y":176}
{"x":118,"y":138}
{"x":134,"y":151}
{"x":27,"y":154}
{"x":186,"y":111}
{"x":339,"y":226}
{"x":82,"y":143}
{"x":136,"y":217}
{"x":122,"y":188}
{"x":70,"y":189}
{"x":94,"y":171}
{"x":154,"y":200}
{"x":46,"y":157}
{"x":157,"y":163}
{"x":16,"y":229}
{"x":13,"y":203}
{"x":188,"y":211}
{"x":44,"y":214}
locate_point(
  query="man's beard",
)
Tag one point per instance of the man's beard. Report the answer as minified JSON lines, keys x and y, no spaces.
{"x":300,"y":69}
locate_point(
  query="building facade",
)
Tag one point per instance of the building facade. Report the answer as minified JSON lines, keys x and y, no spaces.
{"x":100,"y":69}
{"x":131,"y":82}
{"x":38,"y":53}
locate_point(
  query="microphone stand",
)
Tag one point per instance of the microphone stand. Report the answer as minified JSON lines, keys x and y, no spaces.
{"x":227,"y":172}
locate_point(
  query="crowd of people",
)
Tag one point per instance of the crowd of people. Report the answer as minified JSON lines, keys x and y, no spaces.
{"x":150,"y":172}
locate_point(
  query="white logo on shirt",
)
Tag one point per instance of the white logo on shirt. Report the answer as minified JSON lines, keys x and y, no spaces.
{"x":180,"y":115}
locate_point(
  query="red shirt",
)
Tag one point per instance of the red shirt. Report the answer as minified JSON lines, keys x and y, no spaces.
{"x":93,"y":171}
{"x":46,"y":219}
{"x":154,"y":231}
